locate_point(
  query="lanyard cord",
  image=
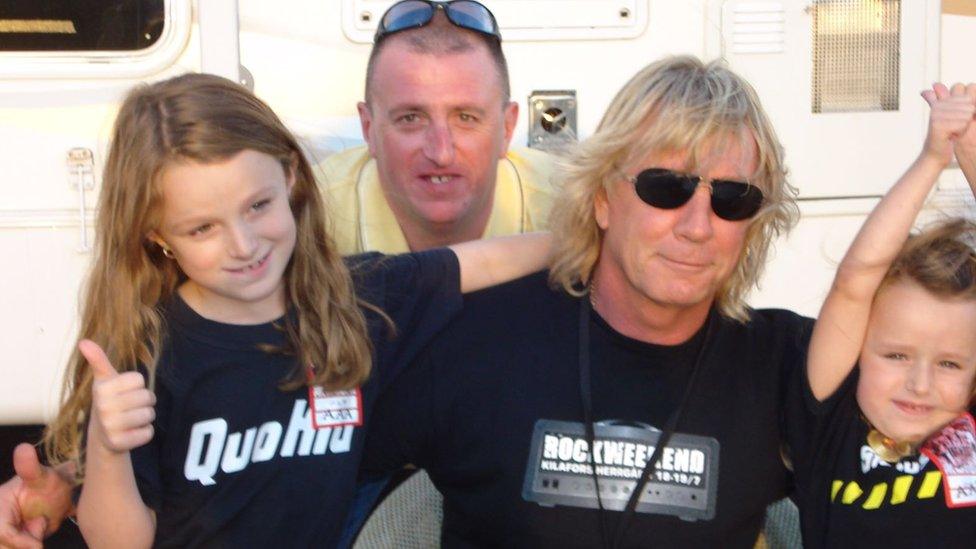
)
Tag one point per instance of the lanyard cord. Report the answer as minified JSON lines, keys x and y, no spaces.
{"x":585,"y":396}
{"x":672,"y":423}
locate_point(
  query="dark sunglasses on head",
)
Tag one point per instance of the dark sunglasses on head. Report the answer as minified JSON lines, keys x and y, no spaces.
{"x":666,"y":189}
{"x":412,"y":14}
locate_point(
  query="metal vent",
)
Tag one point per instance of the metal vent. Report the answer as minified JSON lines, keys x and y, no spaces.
{"x":856,"y":55}
{"x":758,"y":27}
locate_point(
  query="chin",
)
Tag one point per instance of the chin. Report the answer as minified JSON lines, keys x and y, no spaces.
{"x":913,"y":435}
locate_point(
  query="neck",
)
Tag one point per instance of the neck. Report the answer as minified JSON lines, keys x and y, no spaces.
{"x":231,"y":311}
{"x":639,"y":317}
{"x":425,"y":236}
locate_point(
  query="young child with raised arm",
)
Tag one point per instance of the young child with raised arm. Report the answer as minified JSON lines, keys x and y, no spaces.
{"x":881,"y":431}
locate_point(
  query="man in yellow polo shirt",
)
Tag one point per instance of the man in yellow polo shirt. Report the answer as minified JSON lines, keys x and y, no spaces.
{"x":437,"y":120}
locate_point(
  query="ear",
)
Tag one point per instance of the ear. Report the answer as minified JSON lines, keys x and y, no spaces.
{"x":154,"y":237}
{"x":366,"y":123}
{"x":601,"y":208}
{"x":510,"y":114}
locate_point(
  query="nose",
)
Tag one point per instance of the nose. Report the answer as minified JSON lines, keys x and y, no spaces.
{"x":241,"y":241}
{"x":439,"y":144}
{"x":695,"y":222}
{"x":919,"y":378}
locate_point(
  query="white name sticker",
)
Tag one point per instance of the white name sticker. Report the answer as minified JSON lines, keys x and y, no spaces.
{"x":954,"y":452}
{"x":335,"y":408}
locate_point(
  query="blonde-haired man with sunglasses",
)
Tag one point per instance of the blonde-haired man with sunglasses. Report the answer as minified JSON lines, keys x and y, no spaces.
{"x":635,"y":360}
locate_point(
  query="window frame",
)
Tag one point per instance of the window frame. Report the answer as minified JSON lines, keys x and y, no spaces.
{"x":177,"y":26}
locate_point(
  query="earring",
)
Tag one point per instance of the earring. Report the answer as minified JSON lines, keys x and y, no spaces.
{"x":168,"y":252}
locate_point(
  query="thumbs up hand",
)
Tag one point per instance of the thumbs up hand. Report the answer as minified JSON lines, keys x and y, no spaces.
{"x":122,"y":407}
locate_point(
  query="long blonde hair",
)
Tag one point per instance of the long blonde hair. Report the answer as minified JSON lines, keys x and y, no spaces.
{"x":675,"y":104}
{"x":201,"y":118}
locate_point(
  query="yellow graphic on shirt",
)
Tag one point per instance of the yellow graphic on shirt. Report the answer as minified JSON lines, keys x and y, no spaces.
{"x":899,"y":490}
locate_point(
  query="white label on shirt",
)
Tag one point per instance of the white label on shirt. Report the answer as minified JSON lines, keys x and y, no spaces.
{"x":335,"y":408}
{"x":953,"y":450}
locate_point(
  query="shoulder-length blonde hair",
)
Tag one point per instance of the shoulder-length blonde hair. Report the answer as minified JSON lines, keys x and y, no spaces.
{"x":675,"y":104}
{"x":200,"y":118}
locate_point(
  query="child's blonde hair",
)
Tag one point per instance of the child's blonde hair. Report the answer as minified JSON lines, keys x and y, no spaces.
{"x":940,"y":259}
{"x":201,"y":118}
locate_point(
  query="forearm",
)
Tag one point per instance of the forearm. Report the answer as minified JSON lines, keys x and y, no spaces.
{"x":966,"y":156}
{"x":885,"y":230}
{"x":494,"y":261}
{"x":111,"y":512}
{"x":841,"y":326}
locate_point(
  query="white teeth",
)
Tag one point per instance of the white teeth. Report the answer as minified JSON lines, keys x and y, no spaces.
{"x":439,"y":179}
{"x":252,"y":266}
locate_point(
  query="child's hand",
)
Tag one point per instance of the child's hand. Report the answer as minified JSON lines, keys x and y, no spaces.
{"x":951,"y":121}
{"x":122,"y":406}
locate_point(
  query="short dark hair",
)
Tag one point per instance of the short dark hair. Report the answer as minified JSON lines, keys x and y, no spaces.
{"x":441,"y":37}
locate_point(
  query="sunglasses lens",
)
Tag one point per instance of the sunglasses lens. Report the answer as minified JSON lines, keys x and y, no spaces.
{"x":664,"y":189}
{"x":734,"y":200}
{"x":472,"y":15}
{"x":731,"y":200}
{"x":405,"y":15}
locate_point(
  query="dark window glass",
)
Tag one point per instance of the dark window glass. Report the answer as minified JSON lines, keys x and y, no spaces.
{"x":80,"y":25}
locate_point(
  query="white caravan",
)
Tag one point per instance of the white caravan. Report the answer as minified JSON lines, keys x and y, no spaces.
{"x":840,"y":79}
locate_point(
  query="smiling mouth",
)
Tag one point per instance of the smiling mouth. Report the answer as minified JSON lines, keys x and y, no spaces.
{"x":912,"y":408}
{"x":685,"y":264}
{"x":252,"y":266}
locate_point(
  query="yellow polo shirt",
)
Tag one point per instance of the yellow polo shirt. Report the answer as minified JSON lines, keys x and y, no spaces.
{"x":363,"y":221}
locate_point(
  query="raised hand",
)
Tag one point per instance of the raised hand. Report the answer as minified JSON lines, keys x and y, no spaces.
{"x":951,"y":125}
{"x":122,"y":407}
{"x":33,"y":503}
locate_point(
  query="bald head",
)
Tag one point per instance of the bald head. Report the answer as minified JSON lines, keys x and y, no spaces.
{"x":440,"y":38}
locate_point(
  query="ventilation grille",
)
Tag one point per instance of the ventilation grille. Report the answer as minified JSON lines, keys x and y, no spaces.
{"x":758,"y":27}
{"x":855,"y":55}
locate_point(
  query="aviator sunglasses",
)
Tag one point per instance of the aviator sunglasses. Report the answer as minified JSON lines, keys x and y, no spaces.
{"x":412,"y":14}
{"x":666,"y":189}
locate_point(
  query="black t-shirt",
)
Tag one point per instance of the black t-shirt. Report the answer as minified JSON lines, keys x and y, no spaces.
{"x":848,"y":496}
{"x":507,"y":371}
{"x":235,"y":462}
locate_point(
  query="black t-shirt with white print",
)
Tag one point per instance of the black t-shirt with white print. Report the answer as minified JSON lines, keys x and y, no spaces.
{"x":849,"y":497}
{"x":235,"y":461}
{"x":493,"y":411}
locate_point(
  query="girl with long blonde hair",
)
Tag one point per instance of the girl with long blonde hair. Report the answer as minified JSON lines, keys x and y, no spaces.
{"x":229,"y":357}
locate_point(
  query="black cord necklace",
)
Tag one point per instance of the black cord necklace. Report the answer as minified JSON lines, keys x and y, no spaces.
{"x":586,"y":395}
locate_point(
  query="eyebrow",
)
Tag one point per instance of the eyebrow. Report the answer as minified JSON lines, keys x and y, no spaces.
{"x":392,"y":111}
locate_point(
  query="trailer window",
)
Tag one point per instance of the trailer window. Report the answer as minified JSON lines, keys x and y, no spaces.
{"x":856,"y":55}
{"x":80,"y":25}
